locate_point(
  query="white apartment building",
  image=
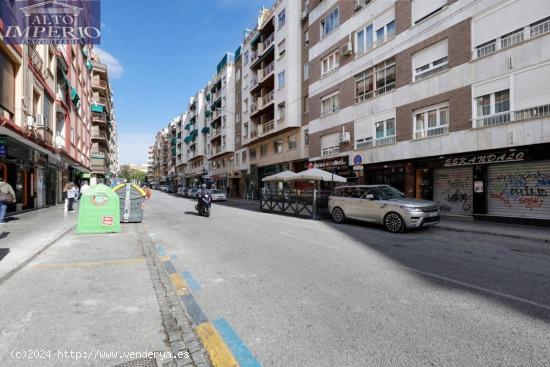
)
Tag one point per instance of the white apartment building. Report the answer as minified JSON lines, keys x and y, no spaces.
{"x":197,"y":139}
{"x":446,"y":100}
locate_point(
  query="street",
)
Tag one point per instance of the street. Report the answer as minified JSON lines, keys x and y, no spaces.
{"x":292,"y":292}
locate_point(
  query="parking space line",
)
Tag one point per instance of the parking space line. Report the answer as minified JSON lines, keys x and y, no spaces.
{"x":217,"y":350}
{"x":179,"y":284}
{"x":238,"y":348}
{"x":191,"y":281}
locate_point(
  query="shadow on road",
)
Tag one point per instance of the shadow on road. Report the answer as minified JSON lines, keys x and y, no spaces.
{"x":4,"y":235}
{"x":191,"y":213}
{"x":4,"y":252}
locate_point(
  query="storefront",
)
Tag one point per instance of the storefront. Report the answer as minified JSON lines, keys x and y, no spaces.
{"x":502,"y":185}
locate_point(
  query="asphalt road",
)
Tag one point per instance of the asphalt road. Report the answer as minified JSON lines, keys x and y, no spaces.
{"x":313,"y":293}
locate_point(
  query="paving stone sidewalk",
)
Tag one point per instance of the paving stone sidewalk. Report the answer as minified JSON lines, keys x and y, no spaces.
{"x":26,"y":235}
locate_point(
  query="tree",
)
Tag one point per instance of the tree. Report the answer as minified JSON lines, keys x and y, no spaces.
{"x":131,"y":174}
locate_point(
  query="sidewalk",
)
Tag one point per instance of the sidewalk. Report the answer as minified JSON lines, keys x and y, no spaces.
{"x":28,"y":234}
{"x":450,"y":224}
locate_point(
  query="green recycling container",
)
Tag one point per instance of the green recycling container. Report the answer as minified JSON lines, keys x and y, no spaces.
{"x":99,"y":211}
{"x":132,"y":199}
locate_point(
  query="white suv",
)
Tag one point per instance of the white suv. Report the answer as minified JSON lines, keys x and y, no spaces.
{"x":381,"y":204}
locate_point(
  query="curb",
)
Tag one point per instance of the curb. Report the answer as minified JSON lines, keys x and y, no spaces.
{"x":10,"y":273}
{"x":479,"y":231}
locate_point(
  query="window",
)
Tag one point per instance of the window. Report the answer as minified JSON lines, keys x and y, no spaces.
{"x":7,"y":86}
{"x":364,"y":39}
{"x":263,"y":150}
{"x":245,"y":105}
{"x":329,"y":23}
{"x":330,"y":104}
{"x":281,"y":108}
{"x":243,"y":156}
{"x":47,"y":112}
{"x":278,"y":146}
{"x":493,"y":108}
{"x":237,"y":159}
{"x":330,"y":144}
{"x":238,"y":117}
{"x":245,"y":126}
{"x":292,"y":142}
{"x":238,"y":74}
{"x":238,"y":138}
{"x":306,"y":38}
{"x":245,"y":58}
{"x":385,"y":132}
{"x":330,"y":64}
{"x":306,"y":137}
{"x":486,"y":48}
{"x":432,"y":121}
{"x":306,"y":104}
{"x":306,"y":71}
{"x":365,"y":85}
{"x":431,"y":60}
{"x":282,"y":18}
{"x":252,"y":154}
{"x":281,"y":79}
{"x":281,"y":47}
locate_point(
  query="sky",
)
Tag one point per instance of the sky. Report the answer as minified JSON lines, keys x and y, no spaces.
{"x":159,"y":53}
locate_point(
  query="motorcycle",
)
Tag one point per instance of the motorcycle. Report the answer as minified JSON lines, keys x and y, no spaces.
{"x":204,"y":205}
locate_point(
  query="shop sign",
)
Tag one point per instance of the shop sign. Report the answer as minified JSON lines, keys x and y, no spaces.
{"x":108,"y":220}
{"x":485,"y":159}
{"x":478,"y":187}
{"x":337,"y":163}
{"x":358,"y":160}
{"x":3,"y":147}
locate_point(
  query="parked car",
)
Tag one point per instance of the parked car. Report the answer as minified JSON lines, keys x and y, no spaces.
{"x":163,"y":188}
{"x":381,"y":204}
{"x":218,"y":195}
{"x":172,"y":189}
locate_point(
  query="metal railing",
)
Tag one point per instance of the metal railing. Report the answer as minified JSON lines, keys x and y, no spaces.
{"x":384,"y":141}
{"x":99,"y":116}
{"x":266,"y":127}
{"x":268,"y":98}
{"x":268,"y":42}
{"x":99,"y":134}
{"x":512,"y":39}
{"x":99,"y":83}
{"x":36,"y":59}
{"x":268,"y":70}
{"x":486,"y":50}
{"x":329,"y":111}
{"x":329,"y":151}
{"x":382,"y":40}
{"x":216,"y":132}
{"x":375,"y":93}
{"x":509,"y":116}
{"x":364,"y":145}
{"x":540,"y":29}
{"x":253,"y":107}
{"x":427,"y":133}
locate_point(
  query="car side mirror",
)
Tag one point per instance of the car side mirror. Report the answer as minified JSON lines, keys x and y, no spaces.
{"x":368,"y":196}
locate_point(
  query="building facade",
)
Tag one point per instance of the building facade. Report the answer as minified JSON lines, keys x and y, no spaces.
{"x":446,"y":100}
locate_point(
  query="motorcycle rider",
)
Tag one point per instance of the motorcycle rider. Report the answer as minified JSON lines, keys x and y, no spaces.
{"x":203,"y":191}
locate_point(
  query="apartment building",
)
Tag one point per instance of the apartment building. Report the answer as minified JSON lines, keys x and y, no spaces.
{"x":151,"y":166}
{"x":446,"y":100}
{"x":274,"y":70}
{"x":220,"y":99}
{"x":197,"y":139}
{"x":45,"y":120}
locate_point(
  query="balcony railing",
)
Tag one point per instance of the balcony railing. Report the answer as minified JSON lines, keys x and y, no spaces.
{"x":267,"y":99}
{"x":268,"y":41}
{"x":254,"y":107}
{"x":269,"y":69}
{"x":504,"y":117}
{"x":100,"y":100}
{"x":364,"y":145}
{"x":36,"y":59}
{"x":512,"y":39}
{"x":266,"y":127}
{"x":330,"y":151}
{"x":99,"y":134}
{"x":329,"y":111}
{"x":540,"y":29}
{"x":99,"y":83}
{"x":384,"y":141}
{"x":379,"y":42}
{"x":428,"y":133}
{"x":99,"y":117}
{"x":216,"y":132}
{"x":375,"y":93}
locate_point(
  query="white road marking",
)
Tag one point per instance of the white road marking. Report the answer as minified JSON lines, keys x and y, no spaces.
{"x":481,"y":289}
{"x":310,"y":240}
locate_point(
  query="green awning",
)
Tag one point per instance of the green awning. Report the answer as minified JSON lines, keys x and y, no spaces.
{"x":89,"y":65}
{"x":98,"y":108}
{"x":74,"y":96}
{"x":205,"y":130}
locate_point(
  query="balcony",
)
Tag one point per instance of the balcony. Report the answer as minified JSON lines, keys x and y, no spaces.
{"x":375,"y":93}
{"x":99,"y":134}
{"x":254,"y":108}
{"x":431,"y":132}
{"x":99,"y":83}
{"x":329,"y":151}
{"x":268,"y":70}
{"x":36,"y":59}
{"x":266,"y":128}
{"x":511,"y":116}
{"x":267,"y":99}
{"x":99,"y":117}
{"x":215,"y":133}
{"x":100,"y":100}
{"x":267,"y":43}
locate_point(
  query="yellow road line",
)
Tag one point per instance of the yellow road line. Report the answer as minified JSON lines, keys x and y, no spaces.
{"x":219,"y":353}
{"x":179,"y":283}
{"x":90,"y":264}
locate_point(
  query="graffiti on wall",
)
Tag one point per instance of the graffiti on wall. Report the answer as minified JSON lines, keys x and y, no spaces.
{"x":454,"y":192}
{"x":527,"y":189}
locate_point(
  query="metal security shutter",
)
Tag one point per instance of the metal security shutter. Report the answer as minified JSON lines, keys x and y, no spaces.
{"x":519,"y":190}
{"x":453,"y":190}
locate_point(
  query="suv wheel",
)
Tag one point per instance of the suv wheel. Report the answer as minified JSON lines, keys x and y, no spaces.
{"x":394,"y":223}
{"x":338,"y":215}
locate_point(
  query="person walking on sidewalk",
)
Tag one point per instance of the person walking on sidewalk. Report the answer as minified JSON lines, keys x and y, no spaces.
{"x":85,"y":187}
{"x":71,"y":196}
{"x":7,"y":196}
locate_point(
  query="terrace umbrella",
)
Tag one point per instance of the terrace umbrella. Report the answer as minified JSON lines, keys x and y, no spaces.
{"x":279,"y":177}
{"x":316,"y":174}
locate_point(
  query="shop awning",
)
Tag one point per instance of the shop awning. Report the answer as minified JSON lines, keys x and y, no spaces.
{"x":316,"y":174}
{"x":280,"y":177}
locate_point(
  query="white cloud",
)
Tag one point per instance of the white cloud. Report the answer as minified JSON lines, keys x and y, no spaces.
{"x":116,"y":70}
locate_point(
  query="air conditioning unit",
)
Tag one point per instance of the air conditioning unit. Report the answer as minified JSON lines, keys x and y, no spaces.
{"x":39,"y":121}
{"x":347,"y":49}
{"x":345,"y":137}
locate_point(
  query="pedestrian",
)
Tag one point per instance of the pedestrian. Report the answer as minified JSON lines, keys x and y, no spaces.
{"x":85,"y":187}
{"x":77,"y":194}
{"x":71,"y":195}
{"x":7,"y":196}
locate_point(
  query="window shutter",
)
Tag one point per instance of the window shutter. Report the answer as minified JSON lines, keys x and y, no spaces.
{"x":7,"y":83}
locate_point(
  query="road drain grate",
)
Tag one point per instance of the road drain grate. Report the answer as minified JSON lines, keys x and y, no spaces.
{"x":142,"y":362}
